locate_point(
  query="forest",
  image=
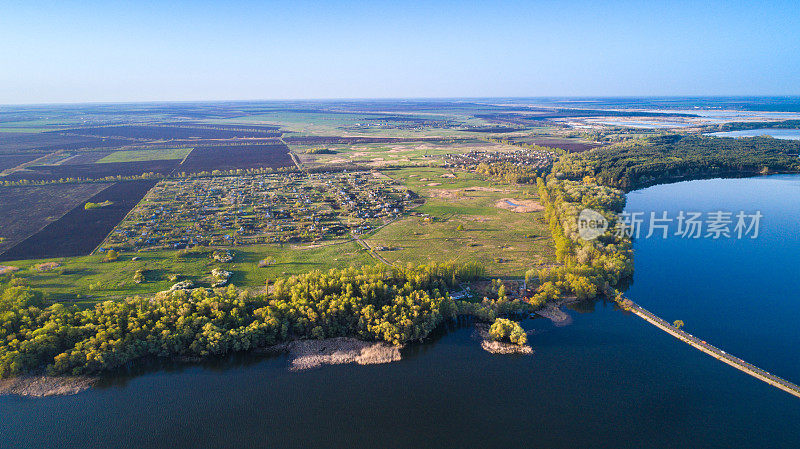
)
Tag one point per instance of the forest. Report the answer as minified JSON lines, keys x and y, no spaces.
{"x":395,"y":305}
{"x":588,"y":268}
{"x":669,"y":158}
{"x":741,"y":126}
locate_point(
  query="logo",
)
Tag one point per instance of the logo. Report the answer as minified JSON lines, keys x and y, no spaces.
{"x":591,"y":224}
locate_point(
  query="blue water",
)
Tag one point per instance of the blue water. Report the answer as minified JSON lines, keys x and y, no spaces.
{"x":777,"y":133}
{"x":742,"y":295}
{"x":645,"y":124}
{"x":608,"y":380}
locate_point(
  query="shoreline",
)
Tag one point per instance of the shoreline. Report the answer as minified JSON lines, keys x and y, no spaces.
{"x":45,"y":386}
{"x":481,"y":332}
{"x":303,"y":355}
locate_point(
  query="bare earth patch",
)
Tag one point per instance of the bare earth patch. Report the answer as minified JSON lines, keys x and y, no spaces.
{"x":5,"y":269}
{"x":554,"y":313}
{"x":459,"y":193}
{"x":308,"y":354}
{"x":432,"y":184}
{"x":47,"y":266}
{"x":520,"y":206}
{"x":497,"y":347}
{"x":41,"y":386}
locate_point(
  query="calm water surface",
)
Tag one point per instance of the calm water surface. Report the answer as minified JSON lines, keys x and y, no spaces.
{"x":788,"y":134}
{"x":608,"y":380}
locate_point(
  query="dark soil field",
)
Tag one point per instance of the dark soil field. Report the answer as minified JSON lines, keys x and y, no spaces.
{"x":239,"y":127}
{"x":231,"y":157}
{"x":26,"y":210}
{"x":334,"y":140}
{"x":92,"y":171}
{"x":47,"y":142}
{"x":80,"y":231}
{"x":12,"y":160}
{"x":172,"y":131}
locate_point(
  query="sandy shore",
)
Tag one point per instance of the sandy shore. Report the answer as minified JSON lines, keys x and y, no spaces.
{"x":41,"y":386}
{"x":305,"y":354}
{"x":554,"y":313}
{"x":308,"y":354}
{"x":497,"y":347}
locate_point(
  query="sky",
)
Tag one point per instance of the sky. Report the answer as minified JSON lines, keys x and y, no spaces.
{"x":174,"y":50}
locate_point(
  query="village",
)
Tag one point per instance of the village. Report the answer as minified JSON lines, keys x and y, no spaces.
{"x":268,"y":208}
{"x":530,"y":159}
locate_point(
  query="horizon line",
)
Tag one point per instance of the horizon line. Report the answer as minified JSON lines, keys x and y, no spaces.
{"x":339,"y":99}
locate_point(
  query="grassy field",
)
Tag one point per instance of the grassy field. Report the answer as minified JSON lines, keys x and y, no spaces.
{"x":402,"y":153}
{"x":328,"y":124}
{"x":146,"y":155}
{"x":464,"y":224}
{"x":88,"y":279}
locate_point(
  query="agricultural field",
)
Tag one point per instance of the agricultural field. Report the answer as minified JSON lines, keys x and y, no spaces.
{"x":175,"y":131}
{"x":288,"y":187}
{"x":246,"y":210}
{"x":236,"y":156}
{"x":79,"y":231}
{"x":379,"y":154}
{"x":321,"y":122}
{"x":91,"y":171}
{"x":157,"y":154}
{"x":467,"y":218}
{"x":13,"y":160}
{"x":26,"y":210}
{"x":47,"y":142}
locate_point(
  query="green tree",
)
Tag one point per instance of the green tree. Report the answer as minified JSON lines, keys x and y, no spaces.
{"x":111,"y":255}
{"x":506,"y":330}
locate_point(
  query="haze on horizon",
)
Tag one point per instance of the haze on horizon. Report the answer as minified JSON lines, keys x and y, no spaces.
{"x":93,"y":51}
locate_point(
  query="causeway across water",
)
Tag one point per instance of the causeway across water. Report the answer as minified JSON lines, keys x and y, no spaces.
{"x":712,"y":350}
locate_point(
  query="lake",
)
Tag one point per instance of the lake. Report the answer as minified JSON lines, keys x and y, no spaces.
{"x":607,"y":380}
{"x":777,"y":133}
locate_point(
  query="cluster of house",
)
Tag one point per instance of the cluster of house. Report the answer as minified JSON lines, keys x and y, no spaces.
{"x":523,"y":158}
{"x":410,"y":123}
{"x":267,"y":208}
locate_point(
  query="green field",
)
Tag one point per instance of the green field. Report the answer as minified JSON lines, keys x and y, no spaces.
{"x":146,"y":155}
{"x":332,"y":124}
{"x":400,"y":153}
{"x":507,"y":243}
{"x":87,"y":279}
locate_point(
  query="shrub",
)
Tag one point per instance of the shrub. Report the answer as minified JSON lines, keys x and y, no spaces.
{"x":90,"y":206}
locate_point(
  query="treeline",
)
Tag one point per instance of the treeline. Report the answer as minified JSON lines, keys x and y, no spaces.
{"x":668,"y":158}
{"x":391,"y":304}
{"x":741,"y":126}
{"x":151,"y":175}
{"x":588,"y":268}
{"x":75,"y":180}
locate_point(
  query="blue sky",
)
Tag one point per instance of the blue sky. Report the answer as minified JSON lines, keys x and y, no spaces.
{"x":84,"y":51}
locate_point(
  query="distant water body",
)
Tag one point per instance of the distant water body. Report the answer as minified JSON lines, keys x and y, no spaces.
{"x":608,"y":380}
{"x":777,"y":133}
